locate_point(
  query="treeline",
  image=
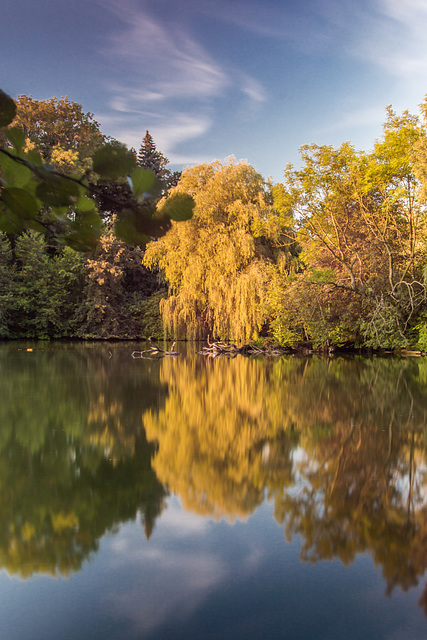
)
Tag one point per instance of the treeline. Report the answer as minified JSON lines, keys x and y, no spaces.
{"x":335,"y":255}
{"x":70,"y":295}
{"x":48,"y":289}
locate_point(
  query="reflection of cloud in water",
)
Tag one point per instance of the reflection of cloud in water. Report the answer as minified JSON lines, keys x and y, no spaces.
{"x":182,"y":523}
{"x":171,"y":578}
{"x":176,"y":584}
{"x":173,"y":574}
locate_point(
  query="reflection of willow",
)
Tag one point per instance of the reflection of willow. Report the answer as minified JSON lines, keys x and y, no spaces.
{"x":221,"y":433}
{"x":355,"y":484}
{"x":74,"y":460}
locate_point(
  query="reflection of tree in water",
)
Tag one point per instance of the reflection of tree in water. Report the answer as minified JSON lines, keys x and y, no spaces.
{"x":221,"y":433}
{"x":74,"y":460}
{"x":362,"y":473}
{"x":339,"y":446}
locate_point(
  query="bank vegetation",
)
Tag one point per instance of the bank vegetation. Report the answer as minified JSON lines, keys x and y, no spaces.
{"x":334,"y":256}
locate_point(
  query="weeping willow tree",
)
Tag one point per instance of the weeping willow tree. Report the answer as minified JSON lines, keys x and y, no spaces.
{"x":218,"y":264}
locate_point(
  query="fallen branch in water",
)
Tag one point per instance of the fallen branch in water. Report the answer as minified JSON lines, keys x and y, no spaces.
{"x":155,"y":350}
{"x":219,"y":348}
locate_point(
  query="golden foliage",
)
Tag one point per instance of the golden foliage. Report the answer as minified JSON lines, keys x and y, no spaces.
{"x":219,"y":420}
{"x":216,"y":263}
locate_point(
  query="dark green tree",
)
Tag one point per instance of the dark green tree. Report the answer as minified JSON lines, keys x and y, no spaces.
{"x":153,"y":160}
{"x":150,"y":158}
{"x":117,"y":291}
{"x":7,"y":286}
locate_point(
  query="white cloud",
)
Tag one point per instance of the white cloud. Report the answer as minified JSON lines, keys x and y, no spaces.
{"x":366,"y":117}
{"x":408,"y":11}
{"x":296,"y":23}
{"x":165,"y":61}
{"x":152,"y":597}
{"x":196,"y":573}
{"x":175,"y":572}
{"x":182,"y":523}
{"x":176,"y":84}
{"x":169,"y":130}
{"x":253,"y":89}
{"x":395,"y":38}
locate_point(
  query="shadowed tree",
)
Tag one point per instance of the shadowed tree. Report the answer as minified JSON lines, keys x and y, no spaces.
{"x":153,"y":160}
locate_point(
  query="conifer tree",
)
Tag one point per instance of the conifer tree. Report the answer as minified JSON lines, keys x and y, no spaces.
{"x":150,"y":158}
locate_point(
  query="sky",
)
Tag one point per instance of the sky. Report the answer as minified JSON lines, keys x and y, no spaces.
{"x":255,"y":79}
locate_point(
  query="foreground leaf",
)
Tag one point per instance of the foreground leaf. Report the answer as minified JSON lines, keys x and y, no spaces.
{"x":20,"y":202}
{"x":7,"y":109}
{"x":142,"y":180}
{"x":139,"y":228}
{"x":16,"y":137}
{"x":14,"y":173}
{"x":178,"y":207}
{"x":113,"y":161}
{"x":59,"y":193}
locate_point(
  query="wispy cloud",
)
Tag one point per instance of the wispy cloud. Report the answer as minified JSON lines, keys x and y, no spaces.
{"x":253,"y":89}
{"x":174,"y":85}
{"x":306,"y":25}
{"x":170,"y":62}
{"x":395,"y":38}
{"x":360,"y":118}
{"x":167,"y":128}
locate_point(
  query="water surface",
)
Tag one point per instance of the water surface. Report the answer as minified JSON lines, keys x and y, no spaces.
{"x":198,"y":498}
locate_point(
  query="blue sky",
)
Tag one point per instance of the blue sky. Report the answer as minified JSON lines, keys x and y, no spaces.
{"x":211,"y":78}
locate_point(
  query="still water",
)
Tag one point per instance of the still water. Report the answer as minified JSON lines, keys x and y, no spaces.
{"x":184,"y":498}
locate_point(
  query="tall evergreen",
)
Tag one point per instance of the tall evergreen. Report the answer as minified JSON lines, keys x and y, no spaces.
{"x":150,"y":158}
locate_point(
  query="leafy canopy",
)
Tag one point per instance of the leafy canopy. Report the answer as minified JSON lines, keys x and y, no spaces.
{"x":36,"y":194}
{"x":217,"y":264}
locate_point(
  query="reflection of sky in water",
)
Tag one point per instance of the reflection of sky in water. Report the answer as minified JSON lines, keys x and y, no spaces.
{"x":196,"y":578}
{"x":178,"y":573}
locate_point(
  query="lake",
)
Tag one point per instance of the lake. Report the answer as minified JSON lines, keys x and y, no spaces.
{"x":192,"y":497}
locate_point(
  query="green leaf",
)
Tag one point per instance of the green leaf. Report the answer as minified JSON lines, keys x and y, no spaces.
{"x":21,"y":203}
{"x":137,"y":227}
{"x":125,"y":229}
{"x":16,"y":137}
{"x":62,"y":193}
{"x":113,"y":161}
{"x":84,"y":231}
{"x":142,"y":180}
{"x":60,"y":214}
{"x":9,"y":223}
{"x":178,"y":206}
{"x":33,"y":156}
{"x":45,"y":173}
{"x":7,"y":109}
{"x":84,"y":204}
{"x":14,"y":173}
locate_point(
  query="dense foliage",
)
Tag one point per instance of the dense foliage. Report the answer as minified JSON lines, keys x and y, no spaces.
{"x":361,"y":226}
{"x":336,"y":255}
{"x":218,"y":263}
{"x":51,"y":157}
{"x":63,"y":187}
